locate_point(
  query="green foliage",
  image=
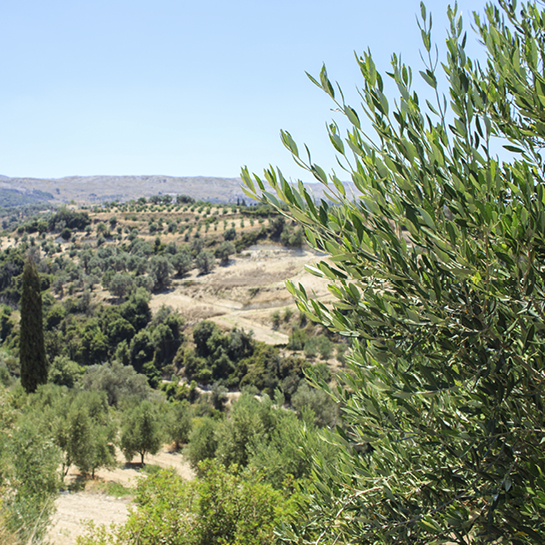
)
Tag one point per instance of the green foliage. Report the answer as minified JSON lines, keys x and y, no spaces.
{"x":160,"y":269}
{"x":64,"y":372}
{"x":179,"y":422}
{"x":66,"y":233}
{"x":202,"y":333}
{"x":136,"y":310}
{"x":235,"y":508}
{"x":437,"y":270}
{"x":249,"y":419}
{"x":230,"y":234}
{"x":260,"y":435}
{"x":11,"y":266}
{"x":80,"y":425}
{"x":181,"y":261}
{"x":121,"y":284}
{"x":288,"y":448}
{"x":249,"y":238}
{"x":166,"y":335}
{"x":31,"y":337}
{"x":223,"y":507}
{"x":311,"y":347}
{"x":275,"y":319}
{"x":266,"y":369}
{"x":71,"y":219}
{"x":297,"y":339}
{"x":292,"y":237}
{"x":325,"y":347}
{"x":28,"y":474}
{"x":6,"y":322}
{"x":141,"y":431}
{"x":118,"y":381}
{"x":205,"y":261}
{"x":224,"y":251}
{"x":53,"y":316}
{"x":184,"y":199}
{"x":202,"y":441}
{"x":318,"y":405}
{"x":141,"y":350}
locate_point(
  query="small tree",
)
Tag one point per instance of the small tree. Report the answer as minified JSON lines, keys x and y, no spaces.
{"x":28,"y":461}
{"x":142,"y":431}
{"x":121,"y":284}
{"x":202,"y":441}
{"x":205,"y":262}
{"x":181,"y":261}
{"x":66,"y":233}
{"x":229,"y":234}
{"x":31,"y":337}
{"x":224,"y":251}
{"x":160,"y":270}
{"x":64,"y":371}
{"x":179,"y":423}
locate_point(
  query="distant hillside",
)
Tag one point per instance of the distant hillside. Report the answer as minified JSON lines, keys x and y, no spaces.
{"x":96,"y":189}
{"x":123,"y":188}
{"x":15,"y":197}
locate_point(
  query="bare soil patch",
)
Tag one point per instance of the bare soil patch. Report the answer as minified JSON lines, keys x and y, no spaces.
{"x":74,"y":509}
{"x":244,"y":293}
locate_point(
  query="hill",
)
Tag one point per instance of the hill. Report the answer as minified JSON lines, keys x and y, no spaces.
{"x":97,"y":189}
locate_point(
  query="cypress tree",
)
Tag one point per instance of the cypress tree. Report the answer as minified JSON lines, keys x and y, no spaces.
{"x":31,"y":338}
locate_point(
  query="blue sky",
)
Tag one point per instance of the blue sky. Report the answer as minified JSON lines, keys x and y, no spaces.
{"x":185,"y":88}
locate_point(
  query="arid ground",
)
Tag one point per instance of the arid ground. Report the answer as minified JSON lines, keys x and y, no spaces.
{"x":95,"y":503}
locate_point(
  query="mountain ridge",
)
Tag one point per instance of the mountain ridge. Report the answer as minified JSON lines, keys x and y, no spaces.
{"x":100,"y":188}
{"x":95,"y":189}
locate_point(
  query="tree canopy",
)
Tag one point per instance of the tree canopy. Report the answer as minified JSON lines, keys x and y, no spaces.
{"x":31,"y":339}
{"x":437,"y":266}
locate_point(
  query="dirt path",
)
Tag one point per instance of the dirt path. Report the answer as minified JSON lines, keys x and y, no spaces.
{"x":74,"y":509}
{"x":247,"y":291}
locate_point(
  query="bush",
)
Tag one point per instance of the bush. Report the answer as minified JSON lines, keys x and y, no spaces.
{"x":64,"y":372}
{"x":275,"y":319}
{"x":311,"y":347}
{"x":117,"y":381}
{"x":325,"y":347}
{"x":66,"y":233}
{"x":324,"y":409}
{"x":121,"y":285}
{"x":297,"y":339}
{"x":222,"y":507}
{"x":224,"y":251}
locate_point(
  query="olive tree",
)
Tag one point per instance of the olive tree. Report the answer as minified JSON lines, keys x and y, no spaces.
{"x":205,"y":261}
{"x":437,"y":264}
{"x":141,"y":431}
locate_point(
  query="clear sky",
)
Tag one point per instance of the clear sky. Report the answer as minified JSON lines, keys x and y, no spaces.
{"x":184,"y":88}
